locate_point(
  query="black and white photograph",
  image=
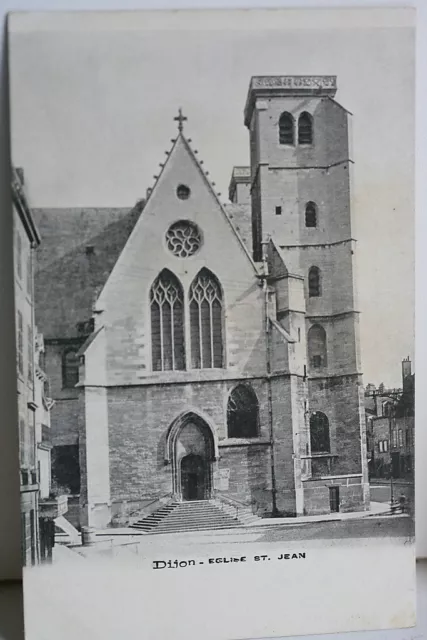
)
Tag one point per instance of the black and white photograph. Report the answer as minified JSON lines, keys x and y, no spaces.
{"x":214,"y":289}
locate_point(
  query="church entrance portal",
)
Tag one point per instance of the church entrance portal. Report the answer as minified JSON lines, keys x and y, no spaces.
{"x":193,"y":478}
{"x":192,"y":454}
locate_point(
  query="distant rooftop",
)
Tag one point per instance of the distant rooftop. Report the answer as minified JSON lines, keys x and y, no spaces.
{"x":264,"y":86}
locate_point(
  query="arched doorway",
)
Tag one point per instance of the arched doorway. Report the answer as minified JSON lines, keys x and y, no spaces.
{"x":191,"y":450}
{"x":194,"y":479}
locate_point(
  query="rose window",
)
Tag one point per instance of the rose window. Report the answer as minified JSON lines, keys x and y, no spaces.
{"x":183,"y":239}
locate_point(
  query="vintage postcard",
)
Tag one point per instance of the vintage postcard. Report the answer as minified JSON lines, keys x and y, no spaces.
{"x":214,"y":228}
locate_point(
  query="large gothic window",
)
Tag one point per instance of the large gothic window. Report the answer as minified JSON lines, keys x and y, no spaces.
{"x":206,"y":320}
{"x":319,"y":433}
{"x":314,"y":284}
{"x":286,"y":128}
{"x":167,"y":323}
{"x":305,"y":128}
{"x":242,"y":413}
{"x":316,"y":345}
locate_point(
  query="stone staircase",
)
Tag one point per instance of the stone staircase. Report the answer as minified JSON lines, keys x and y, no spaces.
{"x":196,"y":515}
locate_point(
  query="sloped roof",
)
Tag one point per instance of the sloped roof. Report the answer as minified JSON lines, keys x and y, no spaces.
{"x":241,"y":217}
{"x":78,"y":251}
{"x":276,"y":262}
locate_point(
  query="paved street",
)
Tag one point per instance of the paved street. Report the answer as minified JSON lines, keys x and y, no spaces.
{"x":395,"y":526}
{"x":381,"y":492}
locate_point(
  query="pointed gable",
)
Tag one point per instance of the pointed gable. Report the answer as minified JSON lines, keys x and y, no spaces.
{"x":184,"y":228}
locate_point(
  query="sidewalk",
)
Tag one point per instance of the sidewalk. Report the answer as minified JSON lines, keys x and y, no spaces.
{"x":376,"y":509}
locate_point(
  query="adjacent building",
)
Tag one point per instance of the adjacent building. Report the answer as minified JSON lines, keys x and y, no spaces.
{"x":34,"y":404}
{"x":390,"y":415}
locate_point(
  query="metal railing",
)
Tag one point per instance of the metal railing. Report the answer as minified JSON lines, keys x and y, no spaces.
{"x":237,"y":505}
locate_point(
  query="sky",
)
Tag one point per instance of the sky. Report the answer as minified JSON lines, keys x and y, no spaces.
{"x":93,"y":99}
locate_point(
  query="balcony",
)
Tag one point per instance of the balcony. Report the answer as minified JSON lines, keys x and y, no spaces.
{"x":53,"y":507}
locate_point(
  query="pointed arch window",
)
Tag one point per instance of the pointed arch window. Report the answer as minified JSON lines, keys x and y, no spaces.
{"x":317,"y":348}
{"x":310,"y":215}
{"x":167,"y":323}
{"x":286,"y":128}
{"x":305,"y":128}
{"x":319,"y":433}
{"x":242,"y":413}
{"x":314,"y":284}
{"x":206,"y":321}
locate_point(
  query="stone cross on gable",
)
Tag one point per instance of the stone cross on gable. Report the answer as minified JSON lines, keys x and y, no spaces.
{"x":181,"y":119}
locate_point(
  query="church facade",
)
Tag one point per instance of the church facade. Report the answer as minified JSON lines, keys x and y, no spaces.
{"x":224,"y":358}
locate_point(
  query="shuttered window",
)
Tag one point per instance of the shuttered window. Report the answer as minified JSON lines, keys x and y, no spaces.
{"x":305,"y":128}
{"x":286,"y":128}
{"x":314,"y":287}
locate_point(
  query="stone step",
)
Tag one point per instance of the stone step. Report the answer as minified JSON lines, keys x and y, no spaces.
{"x":195,"y":522}
{"x":195,"y":515}
{"x":166,"y":530}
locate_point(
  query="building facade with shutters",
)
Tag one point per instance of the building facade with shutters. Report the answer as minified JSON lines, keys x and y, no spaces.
{"x":216,"y":344}
{"x":26,"y":240}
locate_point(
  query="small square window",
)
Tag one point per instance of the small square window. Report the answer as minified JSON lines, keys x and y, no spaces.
{"x":278,"y":211}
{"x":183,"y":192}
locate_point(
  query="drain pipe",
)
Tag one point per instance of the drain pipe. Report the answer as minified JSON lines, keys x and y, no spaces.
{"x":268,"y":369}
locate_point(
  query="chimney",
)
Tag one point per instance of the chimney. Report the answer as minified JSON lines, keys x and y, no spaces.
{"x":406,"y":368}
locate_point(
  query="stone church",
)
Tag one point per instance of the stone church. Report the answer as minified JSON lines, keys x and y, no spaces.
{"x":200,"y":351}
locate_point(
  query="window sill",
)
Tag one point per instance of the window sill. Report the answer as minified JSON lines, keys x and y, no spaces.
{"x":319,"y":455}
{"x":243,"y":442}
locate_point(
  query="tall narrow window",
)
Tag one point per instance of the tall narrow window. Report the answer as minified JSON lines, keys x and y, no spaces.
{"x":316,"y":345}
{"x":206,"y":319}
{"x":319,"y":433}
{"x":70,"y":369}
{"x":314,"y":285}
{"x":29,"y":274}
{"x":242,"y":413}
{"x":22,"y":441}
{"x":20,"y":345}
{"x":30,"y":353}
{"x":286,"y":128}
{"x":18,"y":255}
{"x":305,"y":128}
{"x":167,"y":323}
{"x":310,"y":215}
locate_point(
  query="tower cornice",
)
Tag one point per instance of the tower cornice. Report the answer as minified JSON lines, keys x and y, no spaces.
{"x":286,"y":86}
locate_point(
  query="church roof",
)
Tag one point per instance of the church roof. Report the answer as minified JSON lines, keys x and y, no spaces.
{"x":241,"y":217}
{"x":78,"y":251}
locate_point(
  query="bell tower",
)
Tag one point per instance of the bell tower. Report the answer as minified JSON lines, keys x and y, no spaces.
{"x":300,"y":197}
